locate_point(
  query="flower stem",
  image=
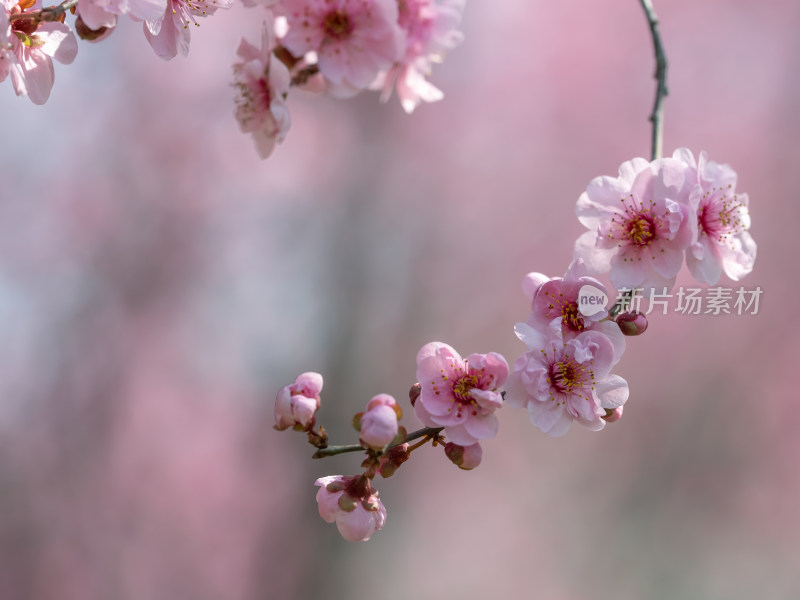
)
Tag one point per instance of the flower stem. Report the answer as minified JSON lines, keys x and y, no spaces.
{"x":46,"y":15}
{"x":333,"y":450}
{"x":657,"y":116}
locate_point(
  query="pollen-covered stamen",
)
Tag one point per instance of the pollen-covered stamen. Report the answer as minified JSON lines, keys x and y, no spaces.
{"x":637,"y":225}
{"x":720,"y":215}
{"x":337,"y":25}
{"x":567,"y":377}
{"x":571,"y":317}
{"x":462,"y":387}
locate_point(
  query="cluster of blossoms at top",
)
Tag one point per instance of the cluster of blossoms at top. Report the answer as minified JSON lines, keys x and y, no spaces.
{"x":341,"y":47}
{"x":643,"y":223}
{"x":642,"y":226}
{"x":338,"y":47}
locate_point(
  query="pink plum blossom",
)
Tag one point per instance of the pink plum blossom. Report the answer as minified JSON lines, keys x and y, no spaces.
{"x":638,"y":223}
{"x":560,"y":382}
{"x":353,"y":39}
{"x":460,"y":394}
{"x":721,"y":242}
{"x":262,"y":85}
{"x":431,"y":30}
{"x":27,"y":47}
{"x":557,"y":298}
{"x":352,"y":504}
{"x":296,"y":405}
{"x":170,"y":33}
{"x":379,"y":422}
{"x":100,"y":13}
{"x":464,"y":457}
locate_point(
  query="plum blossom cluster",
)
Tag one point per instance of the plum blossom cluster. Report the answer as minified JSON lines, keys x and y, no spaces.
{"x":643,"y":226}
{"x":336,"y":47}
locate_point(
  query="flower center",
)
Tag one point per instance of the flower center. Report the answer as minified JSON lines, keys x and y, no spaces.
{"x":637,"y":226}
{"x":337,"y":25}
{"x":640,"y":231}
{"x":719,"y":216}
{"x":571,"y":318}
{"x":462,"y":387}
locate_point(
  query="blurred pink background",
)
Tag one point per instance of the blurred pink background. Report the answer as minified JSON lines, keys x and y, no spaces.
{"x":159,"y":283}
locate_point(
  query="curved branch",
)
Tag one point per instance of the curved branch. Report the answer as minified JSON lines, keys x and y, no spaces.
{"x":657,"y":116}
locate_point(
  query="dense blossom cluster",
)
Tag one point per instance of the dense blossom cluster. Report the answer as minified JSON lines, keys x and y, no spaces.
{"x":337,"y":47}
{"x":642,"y":225}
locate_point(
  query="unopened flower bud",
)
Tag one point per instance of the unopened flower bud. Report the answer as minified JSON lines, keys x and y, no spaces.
{"x":414,"y":393}
{"x":391,"y":460}
{"x":378,"y":424}
{"x":464,"y":457}
{"x":296,"y":405}
{"x":614,"y":414}
{"x":632,"y":323}
{"x":353,"y":504}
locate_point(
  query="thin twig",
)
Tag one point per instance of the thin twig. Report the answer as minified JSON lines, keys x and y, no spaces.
{"x":333,"y":450}
{"x":46,"y":15}
{"x":657,"y":116}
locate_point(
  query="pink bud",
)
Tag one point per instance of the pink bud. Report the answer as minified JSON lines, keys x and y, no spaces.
{"x":632,"y":323}
{"x":613,"y":414}
{"x":364,"y":513}
{"x":391,"y":460}
{"x":296,"y":405}
{"x":379,"y":422}
{"x":414,"y":393}
{"x":465,"y":457}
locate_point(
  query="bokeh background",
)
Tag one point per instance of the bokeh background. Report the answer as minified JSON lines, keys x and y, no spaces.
{"x":159,"y":283}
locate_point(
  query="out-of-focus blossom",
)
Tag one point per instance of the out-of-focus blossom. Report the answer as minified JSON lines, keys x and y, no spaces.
{"x":296,"y":405}
{"x":465,"y":457}
{"x":431,"y":30}
{"x":262,"y":85}
{"x":460,"y":394}
{"x":613,"y":415}
{"x":352,"y":504}
{"x":98,"y":13}
{"x":94,"y":35}
{"x":170,"y":33}
{"x":721,"y":241}
{"x":379,"y":422}
{"x":632,"y":323}
{"x":27,"y":47}
{"x":353,"y":39}
{"x":562,"y":382}
{"x":638,"y":223}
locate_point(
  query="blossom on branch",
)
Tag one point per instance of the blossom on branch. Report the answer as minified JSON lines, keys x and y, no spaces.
{"x":296,"y":405}
{"x":431,"y":30}
{"x":564,"y":381}
{"x":378,"y":424}
{"x":262,"y":85}
{"x":353,"y":39}
{"x":460,"y":394}
{"x":97,"y":13}
{"x":638,"y":223}
{"x":352,"y":504}
{"x":27,"y":47}
{"x":721,"y":241}
{"x":170,"y":33}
